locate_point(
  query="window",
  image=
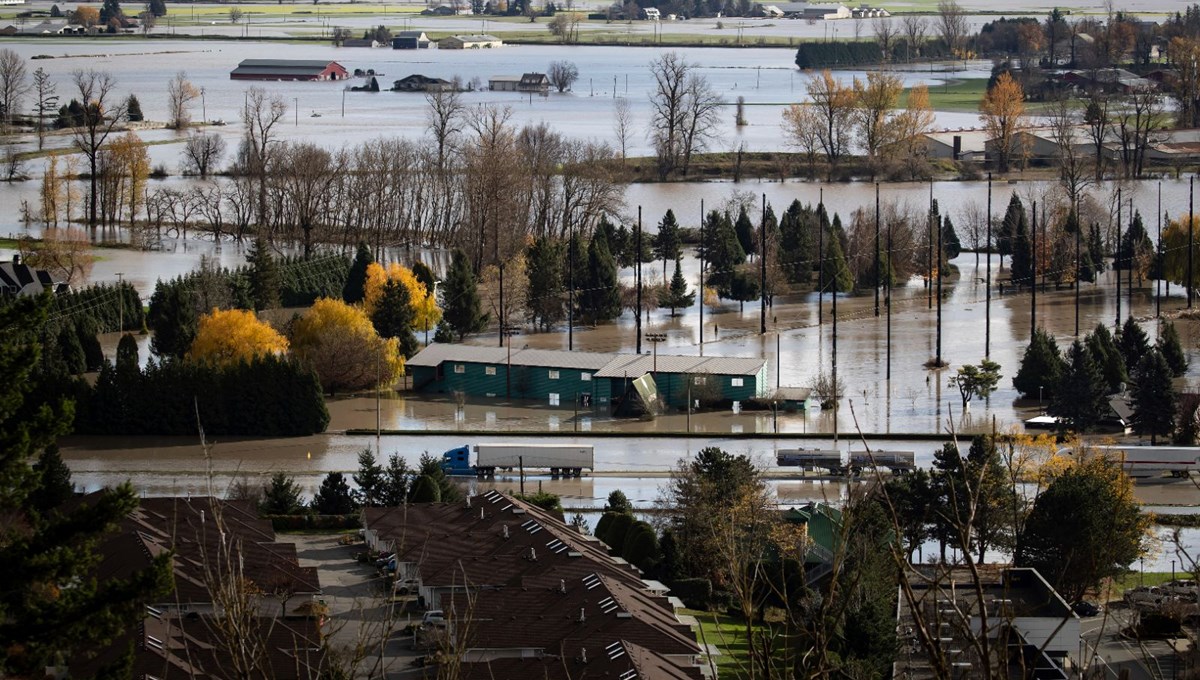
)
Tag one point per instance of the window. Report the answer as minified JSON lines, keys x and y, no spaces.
{"x":738,"y":382}
{"x":698,"y":380}
{"x":459,"y":368}
{"x":489,"y":370}
{"x":585,"y":376}
{"x":554,"y":401}
{"x":554,"y":375}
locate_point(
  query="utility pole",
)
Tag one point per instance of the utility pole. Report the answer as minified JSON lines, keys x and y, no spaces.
{"x":878,"y":280}
{"x":1191,"y":229}
{"x":571,"y":290}
{"x":1078,"y":267}
{"x":1033,"y":277}
{"x":762,"y":269}
{"x":120,"y":302}
{"x":1117,"y":260}
{"x":821,"y":261}
{"x":929,"y":252}
{"x":987,"y":305}
{"x":1129,"y":288}
{"x":521,"y":467}
{"x":501,"y":311}
{"x":888,"y":283}
{"x":701,"y":298}
{"x":637,"y":278}
{"x":941,"y":254}
{"x":1161,"y":265}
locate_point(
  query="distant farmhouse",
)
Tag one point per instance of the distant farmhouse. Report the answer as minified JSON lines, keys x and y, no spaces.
{"x":289,"y":69}
{"x":805,"y":10}
{"x":419,"y":83}
{"x":46,"y":27}
{"x":470,"y":42}
{"x":529,"y":82}
{"x":18,"y":280}
{"x":410,"y":40}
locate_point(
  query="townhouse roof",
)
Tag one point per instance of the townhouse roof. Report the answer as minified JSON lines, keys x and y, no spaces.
{"x":190,"y":528}
{"x":619,"y":659}
{"x":570,"y":614}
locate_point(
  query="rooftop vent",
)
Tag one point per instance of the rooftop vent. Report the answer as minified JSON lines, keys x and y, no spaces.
{"x":583,"y":655}
{"x":156,"y":613}
{"x":506,"y":507}
{"x":504,"y":529}
{"x":630,"y":674}
{"x":615,"y":650}
{"x":608,"y":605}
{"x":154,"y":642}
{"x":591,"y":581}
{"x":582,"y":615}
{"x":468,"y":501}
{"x":562,"y":586}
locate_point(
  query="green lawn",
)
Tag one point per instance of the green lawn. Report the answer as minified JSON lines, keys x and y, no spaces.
{"x":727,"y":634}
{"x":960,"y":95}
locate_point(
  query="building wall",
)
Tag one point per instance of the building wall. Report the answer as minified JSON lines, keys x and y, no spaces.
{"x":503,"y":85}
{"x":491,"y":380}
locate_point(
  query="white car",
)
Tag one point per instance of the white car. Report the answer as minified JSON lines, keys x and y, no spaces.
{"x":406,"y":586}
{"x":433,"y":617}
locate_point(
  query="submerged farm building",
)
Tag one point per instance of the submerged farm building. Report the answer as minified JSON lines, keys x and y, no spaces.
{"x":470,"y":42}
{"x":589,"y":379}
{"x":289,"y":69}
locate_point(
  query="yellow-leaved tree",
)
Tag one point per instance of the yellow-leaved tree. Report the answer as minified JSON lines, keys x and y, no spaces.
{"x":339,"y":342}
{"x":228,"y":336}
{"x":426,"y":312}
{"x":1002,"y":111}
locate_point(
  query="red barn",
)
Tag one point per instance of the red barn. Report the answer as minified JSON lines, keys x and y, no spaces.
{"x":288,"y":69}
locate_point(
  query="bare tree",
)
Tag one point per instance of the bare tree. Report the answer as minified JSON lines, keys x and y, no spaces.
{"x":562,"y":74}
{"x":444,"y":119}
{"x":886,"y":32}
{"x":622,"y":124}
{"x":46,"y":104}
{"x":802,"y":126}
{"x":180,"y":94}
{"x":101,"y":116}
{"x":13,"y":85}
{"x":201,"y":153}
{"x":1099,"y":123}
{"x":952,"y":25}
{"x":834,"y":104}
{"x":565,"y":26}
{"x":260,"y":114}
{"x":1141,"y":112}
{"x":1074,"y":167}
{"x":684,"y":111}
{"x":915,"y":30}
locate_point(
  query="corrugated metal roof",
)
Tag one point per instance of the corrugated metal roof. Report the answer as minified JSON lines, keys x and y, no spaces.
{"x":557,"y":358}
{"x":633,"y":365}
{"x":437,"y":353}
{"x":288,"y":63}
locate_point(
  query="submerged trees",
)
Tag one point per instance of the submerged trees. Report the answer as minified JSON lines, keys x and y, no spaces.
{"x":684,"y":111}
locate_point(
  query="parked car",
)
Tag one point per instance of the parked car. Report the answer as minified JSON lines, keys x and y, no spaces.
{"x":1183,"y":586}
{"x":1145,"y":596}
{"x":433,"y":617}
{"x":1085,"y":608}
{"x":406,"y":586}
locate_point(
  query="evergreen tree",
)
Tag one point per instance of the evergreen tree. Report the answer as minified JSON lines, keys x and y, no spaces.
{"x":424,"y":274}
{"x":744,"y":229}
{"x":174,"y":320}
{"x":677,"y":295}
{"x":619,"y":246}
{"x":52,"y":603}
{"x":127,"y":354}
{"x":109,"y":10}
{"x":70,"y":351}
{"x":668,"y":242}
{"x":333,"y":498}
{"x":1136,"y":246}
{"x":1041,"y":366}
{"x":370,"y":480}
{"x":618,"y":502}
{"x":93,"y":354}
{"x":837,"y":274}
{"x":744,"y":287}
{"x":1095,"y":248}
{"x":54,"y":484}
{"x":600,"y":299}
{"x":395,"y":482}
{"x":265,"y":279}
{"x":281,"y":496}
{"x":133,"y":109}
{"x":1154,"y":399}
{"x":424,"y":490}
{"x":157,"y":7}
{"x":462,"y":308}
{"x":1014,"y":215}
{"x":798,"y":243}
{"x":356,"y":280}
{"x":726,"y":255}
{"x":1172,"y":349}
{"x":1023,"y":269}
{"x":544,"y":263}
{"x":393,"y":316}
{"x":1080,"y":397}
{"x":951,"y":245}
{"x":1132,"y":342}
{"x":1107,"y":356}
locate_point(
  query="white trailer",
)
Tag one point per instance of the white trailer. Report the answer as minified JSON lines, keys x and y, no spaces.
{"x":559,"y":459}
{"x":1152,"y":461}
{"x":835,"y":461}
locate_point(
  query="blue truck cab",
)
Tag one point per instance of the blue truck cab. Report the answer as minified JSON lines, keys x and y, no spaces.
{"x":458,"y":461}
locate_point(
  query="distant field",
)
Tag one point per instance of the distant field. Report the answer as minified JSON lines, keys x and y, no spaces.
{"x":958,"y":95}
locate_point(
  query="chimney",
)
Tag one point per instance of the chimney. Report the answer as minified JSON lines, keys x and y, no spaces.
{"x":957,"y":146}
{"x":16,"y":259}
{"x":582,"y":617}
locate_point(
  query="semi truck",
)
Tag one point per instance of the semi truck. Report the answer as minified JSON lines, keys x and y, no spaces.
{"x":567,"y":460}
{"x":835,"y":461}
{"x":1152,"y":461}
{"x":899,"y":462}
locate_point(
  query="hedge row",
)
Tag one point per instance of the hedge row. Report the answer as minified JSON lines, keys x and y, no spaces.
{"x":107,"y":305}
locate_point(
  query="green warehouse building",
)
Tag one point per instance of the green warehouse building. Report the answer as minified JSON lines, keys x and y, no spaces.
{"x":589,"y":379}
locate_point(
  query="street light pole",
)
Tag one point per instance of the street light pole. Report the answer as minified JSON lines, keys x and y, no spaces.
{"x":120,"y":302}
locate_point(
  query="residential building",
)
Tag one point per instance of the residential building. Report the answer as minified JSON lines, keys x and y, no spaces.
{"x":419,"y":83}
{"x":289,"y":69}
{"x":1034,"y":632}
{"x":18,"y":279}
{"x":590,"y":379}
{"x":957,"y":145}
{"x":528,"y":82}
{"x":44,"y":27}
{"x":805,"y":10}
{"x":1108,"y":80}
{"x":652,"y":14}
{"x":410,"y":40}
{"x":469,"y":42}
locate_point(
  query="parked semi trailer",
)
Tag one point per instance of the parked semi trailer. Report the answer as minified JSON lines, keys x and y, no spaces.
{"x":568,"y":460}
{"x":836,"y":462}
{"x":898,"y":462}
{"x":1152,"y":461}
